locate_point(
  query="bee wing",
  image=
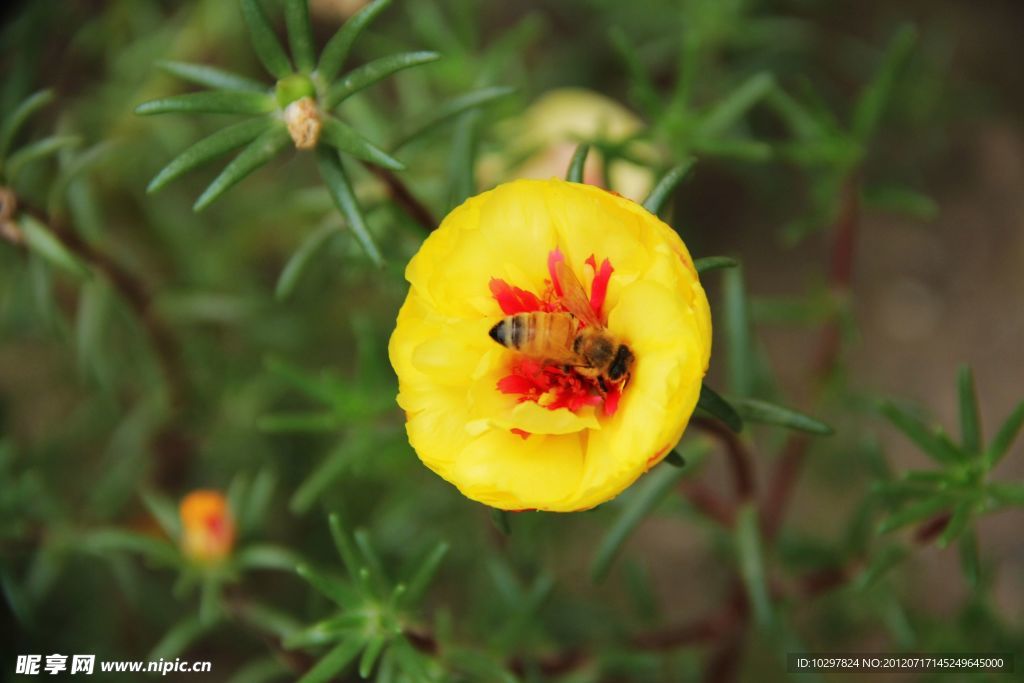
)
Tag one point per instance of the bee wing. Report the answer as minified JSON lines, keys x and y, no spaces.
{"x":574,"y":296}
{"x":558,"y":355}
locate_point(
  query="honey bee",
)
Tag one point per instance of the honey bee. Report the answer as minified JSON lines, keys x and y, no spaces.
{"x":558,"y":337}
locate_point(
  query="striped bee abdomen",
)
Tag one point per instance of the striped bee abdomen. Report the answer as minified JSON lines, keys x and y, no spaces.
{"x":538,"y":334}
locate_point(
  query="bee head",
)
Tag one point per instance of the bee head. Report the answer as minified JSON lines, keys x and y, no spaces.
{"x":621,"y":363}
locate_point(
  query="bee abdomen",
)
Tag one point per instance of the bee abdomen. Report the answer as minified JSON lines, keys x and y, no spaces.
{"x":514,"y":331}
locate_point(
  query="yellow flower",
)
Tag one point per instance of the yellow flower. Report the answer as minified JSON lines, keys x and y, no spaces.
{"x":515,"y":433}
{"x":545,"y":137}
{"x":207,"y":527}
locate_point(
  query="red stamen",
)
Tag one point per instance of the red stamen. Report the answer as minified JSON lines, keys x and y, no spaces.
{"x":522,"y":433}
{"x":553,"y":258}
{"x":599,"y":288}
{"x":611,"y":400}
{"x":513,"y":299}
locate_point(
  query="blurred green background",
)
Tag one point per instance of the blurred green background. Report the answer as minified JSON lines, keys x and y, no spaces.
{"x":287,"y":386}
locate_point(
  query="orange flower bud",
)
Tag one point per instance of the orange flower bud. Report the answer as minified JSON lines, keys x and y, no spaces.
{"x":207,"y":527}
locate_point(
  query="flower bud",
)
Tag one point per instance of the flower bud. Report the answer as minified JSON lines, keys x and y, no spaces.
{"x":304,"y":123}
{"x":544,"y":138}
{"x":207,"y":527}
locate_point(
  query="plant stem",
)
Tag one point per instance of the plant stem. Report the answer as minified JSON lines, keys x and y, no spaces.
{"x":740,"y":461}
{"x":404,"y":197}
{"x":787,"y":470}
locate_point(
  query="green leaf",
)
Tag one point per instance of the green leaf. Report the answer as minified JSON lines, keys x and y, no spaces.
{"x":933,"y":443}
{"x":210,"y":148}
{"x":211,"y":77}
{"x":349,"y":623}
{"x":92,"y":321}
{"x":875,"y":97}
{"x":338,"y":47}
{"x":386,"y":672}
{"x":738,"y":333}
{"x":462,"y":158}
{"x":257,"y":153}
{"x":12,"y":122}
{"x":373,"y":563}
{"x":214,"y":102}
{"x":345,"y":139}
{"x":36,"y":151}
{"x":644,"y":602}
{"x":300,"y":34}
{"x":475,"y":665}
{"x":574,"y":174}
{"x":451,"y":109}
{"x":900,"y":200}
{"x":254,"y":508}
{"x":70,"y":171}
{"x":718,"y":407}
{"x":371,"y":653}
{"x":969,"y":560}
{"x":319,"y":480}
{"x":210,"y":599}
{"x":103,"y":541}
{"x":753,"y":410}
{"x":40,"y":240}
{"x":374,"y":71}
{"x":915,"y":513}
{"x":267,"y":556}
{"x":909,"y":487}
{"x":800,"y":121}
{"x":970,"y":423}
{"x":1009,"y":494}
{"x":666,"y":185}
{"x":300,"y":260}
{"x":333,"y":662}
{"x":642,"y":88}
{"x":267,"y":618}
{"x":709,"y":263}
{"x":333,"y":174}
{"x":345,"y":548}
{"x":730,"y":109}
{"x":177,"y":640}
{"x":164,"y":512}
{"x":524,"y":613}
{"x":751,"y":562}
{"x":331,"y":587}
{"x":882,"y":562}
{"x":320,"y":388}
{"x":1000,"y":445}
{"x":675,"y":459}
{"x":418,"y":582}
{"x":264,"y":42}
{"x":637,"y":504}
{"x":962,"y":515}
{"x":501,"y":521}
{"x":742,"y":150}
{"x":281,"y":423}
{"x":261,"y":671}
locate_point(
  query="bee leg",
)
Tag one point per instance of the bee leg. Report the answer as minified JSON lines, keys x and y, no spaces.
{"x":600,"y":383}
